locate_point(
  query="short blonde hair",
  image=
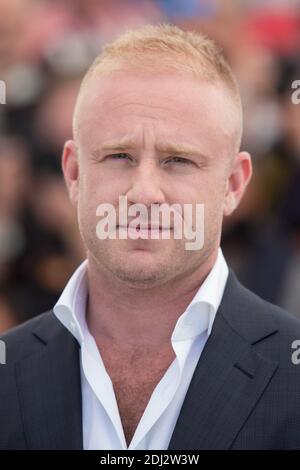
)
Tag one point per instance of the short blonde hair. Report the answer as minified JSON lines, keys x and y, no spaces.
{"x":166,"y":48}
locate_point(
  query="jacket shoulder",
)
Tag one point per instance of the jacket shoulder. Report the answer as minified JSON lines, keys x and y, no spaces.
{"x":22,"y":340}
{"x":287,"y":322}
{"x":255,"y":318}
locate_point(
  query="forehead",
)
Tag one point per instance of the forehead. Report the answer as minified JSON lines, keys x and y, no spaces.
{"x":171,"y":106}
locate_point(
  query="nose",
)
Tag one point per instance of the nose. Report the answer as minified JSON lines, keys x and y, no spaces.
{"x":146,"y":185}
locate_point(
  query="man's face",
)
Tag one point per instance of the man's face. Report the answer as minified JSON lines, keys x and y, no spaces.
{"x":127,"y":126}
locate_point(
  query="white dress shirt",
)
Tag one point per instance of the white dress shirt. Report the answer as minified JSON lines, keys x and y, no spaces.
{"x":102,"y":426}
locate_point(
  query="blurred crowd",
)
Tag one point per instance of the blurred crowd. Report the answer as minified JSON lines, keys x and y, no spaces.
{"x":46,"y":47}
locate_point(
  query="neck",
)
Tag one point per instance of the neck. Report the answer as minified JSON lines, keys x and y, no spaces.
{"x":135,"y":318}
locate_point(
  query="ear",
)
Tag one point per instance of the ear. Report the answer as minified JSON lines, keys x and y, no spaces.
{"x":70,"y":168}
{"x":238,"y":179}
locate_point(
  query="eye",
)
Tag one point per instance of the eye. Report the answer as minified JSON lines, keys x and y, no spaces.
{"x":179,"y":160}
{"x":118,"y":156}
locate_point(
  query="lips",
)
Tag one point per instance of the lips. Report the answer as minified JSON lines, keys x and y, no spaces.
{"x":144,"y":227}
{"x":149,"y":227}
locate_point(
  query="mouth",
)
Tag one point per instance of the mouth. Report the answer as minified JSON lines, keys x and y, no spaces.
{"x":142,"y":228}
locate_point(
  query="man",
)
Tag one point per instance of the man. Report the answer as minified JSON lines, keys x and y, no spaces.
{"x":153,"y":345}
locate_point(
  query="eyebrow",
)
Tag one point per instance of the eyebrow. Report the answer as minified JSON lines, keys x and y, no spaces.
{"x":163,"y":147}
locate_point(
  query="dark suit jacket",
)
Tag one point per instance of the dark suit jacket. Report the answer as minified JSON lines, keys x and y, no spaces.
{"x":244,"y":394}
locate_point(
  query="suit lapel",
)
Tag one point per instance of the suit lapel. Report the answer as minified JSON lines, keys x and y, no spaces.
{"x":230,"y":376}
{"x":49,"y":390}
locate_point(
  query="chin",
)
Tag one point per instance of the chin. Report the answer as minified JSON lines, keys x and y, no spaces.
{"x":141,"y":274}
{"x":137,"y":267}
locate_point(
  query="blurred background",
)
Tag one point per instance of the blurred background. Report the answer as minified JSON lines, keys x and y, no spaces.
{"x":46,"y":47}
